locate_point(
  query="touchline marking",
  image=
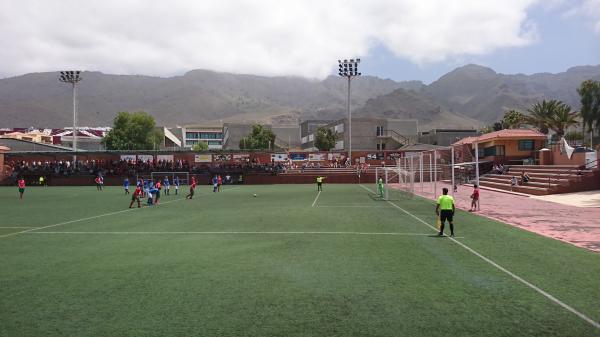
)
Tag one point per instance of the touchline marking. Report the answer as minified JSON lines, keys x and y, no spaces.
{"x":96,"y":216}
{"x":316,"y":198}
{"x":238,"y":233}
{"x":499,"y":267}
{"x":353,"y":206}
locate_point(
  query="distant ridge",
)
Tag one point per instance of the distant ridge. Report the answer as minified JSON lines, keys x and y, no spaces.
{"x":467,"y":96}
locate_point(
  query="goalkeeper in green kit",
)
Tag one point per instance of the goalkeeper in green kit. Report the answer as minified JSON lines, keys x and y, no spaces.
{"x":380,"y":187}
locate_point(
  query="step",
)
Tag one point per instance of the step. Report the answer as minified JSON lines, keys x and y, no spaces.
{"x":546,"y":166}
{"x":545,"y":175}
{"x":552,"y":180}
{"x":556,"y":171}
{"x":521,"y":189}
{"x":508,"y":182}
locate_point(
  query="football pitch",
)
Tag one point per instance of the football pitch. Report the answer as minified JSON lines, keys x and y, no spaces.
{"x":289,"y":262}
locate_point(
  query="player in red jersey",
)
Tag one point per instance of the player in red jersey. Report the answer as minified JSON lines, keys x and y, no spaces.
{"x":158,"y":187}
{"x":192,"y":188}
{"x":219,"y":183}
{"x":21,"y":184}
{"x":98,"y":182}
{"x":136,"y":197}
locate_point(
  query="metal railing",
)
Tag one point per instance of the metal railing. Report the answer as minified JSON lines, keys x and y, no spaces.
{"x":401,"y":139}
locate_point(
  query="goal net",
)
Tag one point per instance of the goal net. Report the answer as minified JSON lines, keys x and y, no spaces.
{"x":398,"y":182}
{"x":184,"y":177}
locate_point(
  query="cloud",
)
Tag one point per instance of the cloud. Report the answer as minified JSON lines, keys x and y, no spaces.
{"x":268,"y":37}
{"x":591,"y":9}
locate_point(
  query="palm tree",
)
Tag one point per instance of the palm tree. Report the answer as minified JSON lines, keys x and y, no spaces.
{"x":563,"y":118}
{"x":513,"y":119}
{"x":540,"y":114}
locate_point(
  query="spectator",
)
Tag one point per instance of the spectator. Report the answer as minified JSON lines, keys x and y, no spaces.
{"x":524,"y":178}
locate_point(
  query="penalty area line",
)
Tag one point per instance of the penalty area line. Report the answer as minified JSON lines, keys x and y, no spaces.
{"x":499,"y":267}
{"x":82,"y":219}
{"x":98,"y":216}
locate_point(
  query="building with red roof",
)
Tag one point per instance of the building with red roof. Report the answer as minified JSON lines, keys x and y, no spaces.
{"x":504,"y":146}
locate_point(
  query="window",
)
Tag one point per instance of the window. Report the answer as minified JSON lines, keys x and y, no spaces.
{"x":526,"y":145}
{"x":379,"y":131}
{"x":381,"y":146}
{"x":191,"y":135}
{"x":500,"y":150}
{"x":214,"y":142}
{"x":489,"y":151}
{"x":211,"y":135}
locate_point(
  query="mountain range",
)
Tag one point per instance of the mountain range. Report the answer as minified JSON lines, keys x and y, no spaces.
{"x":469,"y":96}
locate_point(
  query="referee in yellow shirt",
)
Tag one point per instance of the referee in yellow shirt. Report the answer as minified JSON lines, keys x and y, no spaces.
{"x":445,"y":210}
{"x":320,"y":183}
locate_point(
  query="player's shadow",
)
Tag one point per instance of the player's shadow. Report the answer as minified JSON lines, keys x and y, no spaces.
{"x":375,"y":197}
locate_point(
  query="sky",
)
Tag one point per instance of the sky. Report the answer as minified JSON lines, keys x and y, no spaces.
{"x":396,"y":39}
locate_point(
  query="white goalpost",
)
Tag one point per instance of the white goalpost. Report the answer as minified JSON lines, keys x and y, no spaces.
{"x":398,"y":181}
{"x":184,"y":177}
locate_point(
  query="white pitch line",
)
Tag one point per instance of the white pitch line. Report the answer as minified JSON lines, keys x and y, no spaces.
{"x":94,"y":217}
{"x":499,"y":267}
{"x":240,"y":233}
{"x":17,"y":227}
{"x":353,"y":206}
{"x":316,"y":198}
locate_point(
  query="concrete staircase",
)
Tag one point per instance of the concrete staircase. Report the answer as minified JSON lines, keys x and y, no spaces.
{"x":545,"y":179}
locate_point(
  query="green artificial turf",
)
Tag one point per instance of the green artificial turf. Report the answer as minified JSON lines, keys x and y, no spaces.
{"x":274,"y":274}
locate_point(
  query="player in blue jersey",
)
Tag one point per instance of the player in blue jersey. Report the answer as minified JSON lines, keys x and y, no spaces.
{"x":167,"y":185}
{"x":126,"y":185}
{"x":176,"y":183}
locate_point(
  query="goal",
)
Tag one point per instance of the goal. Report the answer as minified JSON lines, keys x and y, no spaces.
{"x":398,"y":181}
{"x":184,"y":177}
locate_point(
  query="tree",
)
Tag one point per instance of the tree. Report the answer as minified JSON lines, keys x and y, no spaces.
{"x":562,"y":118}
{"x":133,"y":131}
{"x":325,"y":138}
{"x":200,"y":146}
{"x":513,"y":119}
{"x":498,"y":126}
{"x":589,"y":92}
{"x":574,"y":135}
{"x":540,"y":114}
{"x":487,"y":129}
{"x":259,"y":139}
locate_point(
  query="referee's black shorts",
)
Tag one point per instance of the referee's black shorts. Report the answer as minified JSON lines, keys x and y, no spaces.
{"x":446,"y":214}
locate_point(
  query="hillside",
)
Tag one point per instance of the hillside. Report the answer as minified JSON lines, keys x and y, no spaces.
{"x":468,"y":96}
{"x":41,"y":100}
{"x":481,"y":93}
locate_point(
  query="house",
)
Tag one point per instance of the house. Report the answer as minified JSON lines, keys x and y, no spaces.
{"x":31,"y":136}
{"x":508,"y":146}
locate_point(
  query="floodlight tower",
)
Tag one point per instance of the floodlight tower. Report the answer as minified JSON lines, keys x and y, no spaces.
{"x":73,"y":77}
{"x":349,"y":69}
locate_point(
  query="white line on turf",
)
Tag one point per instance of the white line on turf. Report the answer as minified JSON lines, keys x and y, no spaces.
{"x":353,"y":206}
{"x":94,"y":217}
{"x":499,"y":267}
{"x":239,"y":233}
{"x":316,"y":198}
{"x":17,"y":227}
